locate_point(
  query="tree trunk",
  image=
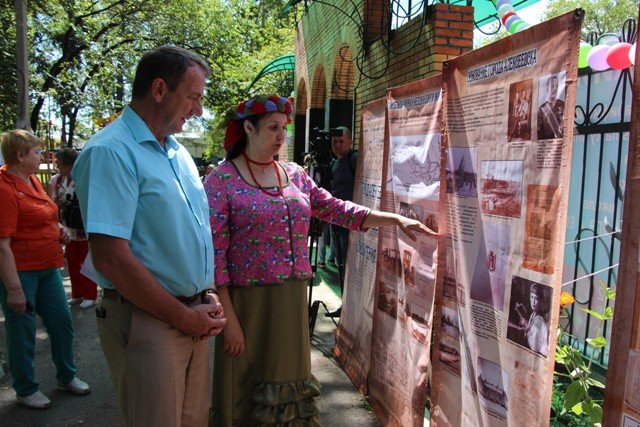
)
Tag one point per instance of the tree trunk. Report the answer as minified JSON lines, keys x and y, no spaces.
{"x":63,"y":131}
{"x":73,"y":117}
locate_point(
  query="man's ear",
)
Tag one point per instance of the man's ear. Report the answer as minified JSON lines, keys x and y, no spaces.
{"x":159,"y":89}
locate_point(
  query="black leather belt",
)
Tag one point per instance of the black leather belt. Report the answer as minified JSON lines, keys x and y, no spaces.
{"x":112,"y":294}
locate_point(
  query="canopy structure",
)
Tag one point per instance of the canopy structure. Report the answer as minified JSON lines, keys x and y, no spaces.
{"x":484,"y":10}
{"x":286,"y":63}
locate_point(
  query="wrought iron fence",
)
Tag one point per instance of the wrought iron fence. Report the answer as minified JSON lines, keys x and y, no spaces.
{"x":599,"y":160}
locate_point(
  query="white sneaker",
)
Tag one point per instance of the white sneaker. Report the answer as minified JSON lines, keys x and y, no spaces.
{"x":72,"y":301}
{"x":76,"y":386}
{"x":36,"y":400}
{"x":88,"y":303}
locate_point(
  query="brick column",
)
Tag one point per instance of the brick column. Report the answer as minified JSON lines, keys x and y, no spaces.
{"x":452,"y":30}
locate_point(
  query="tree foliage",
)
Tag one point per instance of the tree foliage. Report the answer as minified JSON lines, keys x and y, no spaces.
{"x":8,"y":78}
{"x":601,"y":16}
{"x":84,"y":52}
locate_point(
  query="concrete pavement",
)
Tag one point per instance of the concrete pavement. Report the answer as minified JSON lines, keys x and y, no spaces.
{"x":340,"y":404}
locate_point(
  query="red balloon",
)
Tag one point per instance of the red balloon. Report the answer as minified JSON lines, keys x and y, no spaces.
{"x":506,"y":15}
{"x":618,"y":56}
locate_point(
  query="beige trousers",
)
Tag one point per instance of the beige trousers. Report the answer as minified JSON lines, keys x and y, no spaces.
{"x":161,"y":376}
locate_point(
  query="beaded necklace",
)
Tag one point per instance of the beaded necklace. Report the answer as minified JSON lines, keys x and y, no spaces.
{"x":275,"y":168}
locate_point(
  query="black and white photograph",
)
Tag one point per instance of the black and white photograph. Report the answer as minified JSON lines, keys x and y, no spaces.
{"x":449,"y":322}
{"x":409,"y":268}
{"x":519,"y":125}
{"x":529,"y":315}
{"x":551,"y":97}
{"x":492,"y":387}
{"x":412,"y":211}
{"x":501,"y":188}
{"x":450,"y":355}
{"x":388,"y":299}
{"x":391,"y":261}
{"x":461,"y":172}
{"x":489,"y":278}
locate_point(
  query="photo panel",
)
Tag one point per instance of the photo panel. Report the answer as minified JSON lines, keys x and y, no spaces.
{"x":551,"y":98}
{"x":529,"y":315}
{"x":492,"y":388}
{"x":461,"y":175}
{"x":501,"y":187}
{"x":520,"y":100}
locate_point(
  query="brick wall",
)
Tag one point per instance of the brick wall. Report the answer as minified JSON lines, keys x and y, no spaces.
{"x":328,"y":35}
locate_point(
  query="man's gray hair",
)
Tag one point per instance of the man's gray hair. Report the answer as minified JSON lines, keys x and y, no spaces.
{"x":346,"y":132}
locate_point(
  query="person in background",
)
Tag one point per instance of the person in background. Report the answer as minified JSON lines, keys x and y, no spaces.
{"x":207,"y":171}
{"x":30,"y":280}
{"x":62,"y":190}
{"x":146,"y":216}
{"x":260,"y":215}
{"x":343,"y":174}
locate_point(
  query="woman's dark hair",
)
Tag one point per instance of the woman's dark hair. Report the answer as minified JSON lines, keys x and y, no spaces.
{"x":239,"y":146}
{"x":66,"y":156}
{"x":168,"y":63}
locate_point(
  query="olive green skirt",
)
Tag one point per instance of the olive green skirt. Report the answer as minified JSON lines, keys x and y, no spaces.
{"x":270,"y":383}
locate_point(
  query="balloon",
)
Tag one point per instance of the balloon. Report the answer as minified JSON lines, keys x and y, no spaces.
{"x":513,"y":26}
{"x":502,"y":10}
{"x":618,"y":56}
{"x":632,"y":54}
{"x":608,"y":39}
{"x":506,"y":16}
{"x":596,"y":58}
{"x":585,"y":48}
{"x":509,"y":21}
{"x":522,"y":26}
{"x":502,"y":2}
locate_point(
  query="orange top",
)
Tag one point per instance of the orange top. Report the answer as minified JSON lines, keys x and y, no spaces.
{"x":30,"y":218}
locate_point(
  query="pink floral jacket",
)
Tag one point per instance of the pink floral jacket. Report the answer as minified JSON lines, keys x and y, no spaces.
{"x":262,"y":240}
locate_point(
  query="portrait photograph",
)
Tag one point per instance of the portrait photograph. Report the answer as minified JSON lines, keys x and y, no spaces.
{"x":551,"y":97}
{"x":529,"y":315}
{"x":519,"y":123}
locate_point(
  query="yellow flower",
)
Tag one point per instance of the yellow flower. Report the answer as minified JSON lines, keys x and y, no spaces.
{"x":566,"y":299}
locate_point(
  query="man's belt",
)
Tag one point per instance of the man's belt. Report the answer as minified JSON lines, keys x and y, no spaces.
{"x":112,"y":294}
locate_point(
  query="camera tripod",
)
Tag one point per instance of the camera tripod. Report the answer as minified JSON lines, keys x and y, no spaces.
{"x":315,"y":231}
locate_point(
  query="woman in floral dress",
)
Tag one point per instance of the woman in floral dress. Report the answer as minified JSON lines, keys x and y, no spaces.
{"x":260,"y":212}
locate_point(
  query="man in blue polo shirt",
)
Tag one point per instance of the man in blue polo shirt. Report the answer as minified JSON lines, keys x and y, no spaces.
{"x":146,"y":214}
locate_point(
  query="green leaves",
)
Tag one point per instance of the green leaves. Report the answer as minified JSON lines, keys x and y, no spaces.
{"x":574,"y":395}
{"x":577,"y":399}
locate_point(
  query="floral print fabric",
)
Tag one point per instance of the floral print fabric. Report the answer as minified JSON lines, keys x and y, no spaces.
{"x":261,"y":239}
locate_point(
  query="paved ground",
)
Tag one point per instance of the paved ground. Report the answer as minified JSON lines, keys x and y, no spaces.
{"x":340,"y":403}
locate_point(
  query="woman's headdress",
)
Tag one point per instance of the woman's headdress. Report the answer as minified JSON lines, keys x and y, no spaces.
{"x":259,"y":104}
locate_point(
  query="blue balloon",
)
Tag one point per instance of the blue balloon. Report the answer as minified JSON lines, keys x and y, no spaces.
{"x":510,"y":20}
{"x":501,"y":2}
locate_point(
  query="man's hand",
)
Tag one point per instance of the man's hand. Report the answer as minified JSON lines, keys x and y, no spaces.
{"x":201,"y":321}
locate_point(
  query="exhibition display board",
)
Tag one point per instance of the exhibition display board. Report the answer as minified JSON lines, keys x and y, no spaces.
{"x":406,"y":275}
{"x":508,"y":120}
{"x":353,"y":336}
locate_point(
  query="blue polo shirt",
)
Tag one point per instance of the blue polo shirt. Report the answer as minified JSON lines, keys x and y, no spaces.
{"x":130,"y":187}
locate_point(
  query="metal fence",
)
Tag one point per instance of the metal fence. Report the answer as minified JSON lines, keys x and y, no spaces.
{"x":598,"y":172}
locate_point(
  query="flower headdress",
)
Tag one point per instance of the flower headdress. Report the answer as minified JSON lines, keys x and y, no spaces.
{"x":259,"y":104}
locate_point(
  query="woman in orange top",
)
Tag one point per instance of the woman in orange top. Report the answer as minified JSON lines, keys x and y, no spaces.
{"x":30,"y":281}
